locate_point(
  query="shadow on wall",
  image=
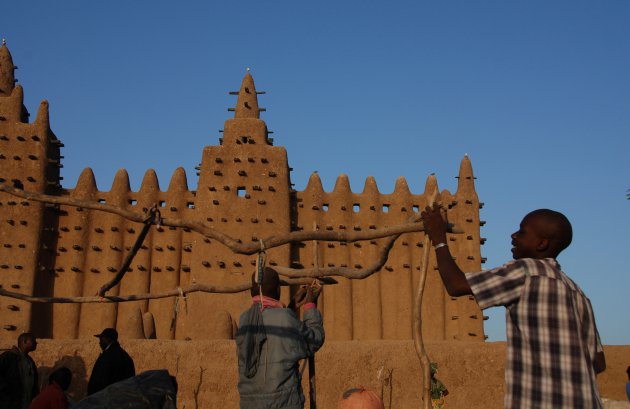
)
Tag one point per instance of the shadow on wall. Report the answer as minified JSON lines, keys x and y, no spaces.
{"x":76,"y":364}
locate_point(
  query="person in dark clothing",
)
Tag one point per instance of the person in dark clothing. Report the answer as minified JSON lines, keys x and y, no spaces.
{"x":53,"y":396}
{"x":113,"y":364}
{"x":18,"y":374}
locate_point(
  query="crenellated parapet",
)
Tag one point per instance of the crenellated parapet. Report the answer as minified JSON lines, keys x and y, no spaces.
{"x":91,"y":246}
{"x":387,"y":297}
{"x":244,"y":190}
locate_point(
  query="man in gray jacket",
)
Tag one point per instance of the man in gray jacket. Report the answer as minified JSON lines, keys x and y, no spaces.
{"x":271,"y":340}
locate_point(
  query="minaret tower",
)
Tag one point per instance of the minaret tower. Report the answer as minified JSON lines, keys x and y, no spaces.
{"x":243,"y":190}
{"x":29,"y":159}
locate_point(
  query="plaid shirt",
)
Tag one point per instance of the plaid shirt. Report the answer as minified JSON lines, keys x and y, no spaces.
{"x":551,"y":334}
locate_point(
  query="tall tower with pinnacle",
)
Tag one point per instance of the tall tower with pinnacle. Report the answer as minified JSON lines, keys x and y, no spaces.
{"x":243,"y":190}
{"x":29,"y":159}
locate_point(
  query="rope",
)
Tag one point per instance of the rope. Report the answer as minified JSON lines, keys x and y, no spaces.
{"x":176,"y":307}
{"x":260,"y":271}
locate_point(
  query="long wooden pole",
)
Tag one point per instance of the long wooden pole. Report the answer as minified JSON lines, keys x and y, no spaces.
{"x":418,"y":340}
{"x":311,"y":359}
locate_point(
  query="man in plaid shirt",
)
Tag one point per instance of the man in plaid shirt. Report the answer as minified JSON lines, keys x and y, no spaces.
{"x":554,"y":350}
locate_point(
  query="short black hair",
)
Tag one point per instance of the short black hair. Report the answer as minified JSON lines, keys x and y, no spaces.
{"x":25,"y":336}
{"x":62,"y":376}
{"x":270,"y":284}
{"x":557,"y":228}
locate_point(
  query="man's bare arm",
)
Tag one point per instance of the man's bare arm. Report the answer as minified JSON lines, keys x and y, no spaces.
{"x":453,"y":277}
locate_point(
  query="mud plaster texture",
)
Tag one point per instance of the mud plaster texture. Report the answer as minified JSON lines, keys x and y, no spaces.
{"x":207,"y":375}
{"x":244,"y":189}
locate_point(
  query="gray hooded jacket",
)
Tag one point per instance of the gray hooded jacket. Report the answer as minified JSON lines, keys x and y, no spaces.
{"x":279,"y":340}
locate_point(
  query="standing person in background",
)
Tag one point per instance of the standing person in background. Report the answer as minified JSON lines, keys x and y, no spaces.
{"x":628,"y":383}
{"x":271,"y":340}
{"x":554,"y":349}
{"x":113,"y":364}
{"x":18,"y":374}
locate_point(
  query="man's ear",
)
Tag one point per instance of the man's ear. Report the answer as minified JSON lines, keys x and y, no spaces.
{"x":543,"y":244}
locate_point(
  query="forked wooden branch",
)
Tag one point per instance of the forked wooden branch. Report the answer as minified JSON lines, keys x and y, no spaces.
{"x":153,"y":214}
{"x":211,"y":233}
{"x":177,"y":292}
{"x":392,"y":233}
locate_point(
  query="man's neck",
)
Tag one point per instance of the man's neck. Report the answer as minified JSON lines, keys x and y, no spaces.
{"x":268,"y":302}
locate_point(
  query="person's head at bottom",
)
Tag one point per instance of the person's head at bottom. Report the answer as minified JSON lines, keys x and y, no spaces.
{"x":62,"y":377}
{"x":360,"y":398}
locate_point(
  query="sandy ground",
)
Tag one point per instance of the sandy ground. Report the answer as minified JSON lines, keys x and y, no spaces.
{"x":207,"y":376}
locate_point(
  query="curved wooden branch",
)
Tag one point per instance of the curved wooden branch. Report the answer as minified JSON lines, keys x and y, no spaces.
{"x":193,"y":288}
{"x":392,"y":233}
{"x":62,"y":200}
{"x":351,"y":273}
{"x":130,"y":255}
{"x":247,"y":249}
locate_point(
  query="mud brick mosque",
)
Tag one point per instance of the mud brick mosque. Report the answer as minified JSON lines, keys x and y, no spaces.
{"x":244,"y":189}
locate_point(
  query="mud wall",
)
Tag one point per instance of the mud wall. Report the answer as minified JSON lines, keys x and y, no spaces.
{"x":207,"y":375}
{"x":387,"y":297}
{"x":29,"y":159}
{"x":244,"y":190}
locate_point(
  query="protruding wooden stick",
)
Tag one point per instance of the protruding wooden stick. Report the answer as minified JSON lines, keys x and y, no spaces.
{"x":418,"y":340}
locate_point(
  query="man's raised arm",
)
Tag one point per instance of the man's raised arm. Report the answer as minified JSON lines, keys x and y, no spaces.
{"x":452,"y":276}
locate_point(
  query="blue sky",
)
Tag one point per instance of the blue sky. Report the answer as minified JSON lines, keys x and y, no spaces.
{"x":537,"y":93}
